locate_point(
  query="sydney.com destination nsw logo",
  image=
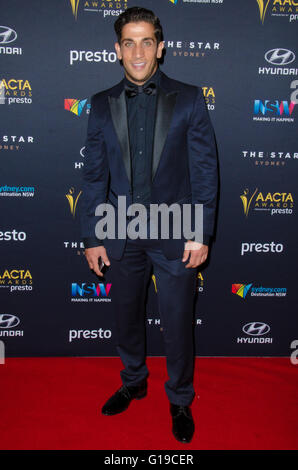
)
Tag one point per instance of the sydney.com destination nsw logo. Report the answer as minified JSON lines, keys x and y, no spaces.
{"x":76,"y":106}
{"x":242,"y":290}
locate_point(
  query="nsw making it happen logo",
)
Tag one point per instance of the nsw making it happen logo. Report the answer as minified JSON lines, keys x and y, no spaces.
{"x":273,"y":110}
{"x":90,"y":292}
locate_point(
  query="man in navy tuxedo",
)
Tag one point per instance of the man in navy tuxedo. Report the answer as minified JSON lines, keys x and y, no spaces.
{"x":150,"y":140}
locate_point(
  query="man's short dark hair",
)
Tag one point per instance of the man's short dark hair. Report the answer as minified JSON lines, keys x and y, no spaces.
{"x":134,"y":15}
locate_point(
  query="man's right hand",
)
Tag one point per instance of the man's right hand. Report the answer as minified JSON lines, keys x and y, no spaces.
{"x":92,"y":256}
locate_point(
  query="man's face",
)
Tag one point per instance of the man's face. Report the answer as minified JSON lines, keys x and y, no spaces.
{"x":139,"y":51}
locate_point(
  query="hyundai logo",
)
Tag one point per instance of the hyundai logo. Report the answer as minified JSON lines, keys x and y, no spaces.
{"x":82,"y":152}
{"x":279,"y":56}
{"x":256,"y":328}
{"x":7,"y":35}
{"x":8,"y":321}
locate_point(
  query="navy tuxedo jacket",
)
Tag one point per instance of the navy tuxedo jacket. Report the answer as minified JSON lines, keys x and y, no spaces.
{"x":184,"y":161}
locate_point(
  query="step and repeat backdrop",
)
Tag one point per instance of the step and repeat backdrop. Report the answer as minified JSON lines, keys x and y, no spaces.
{"x":54,"y":55}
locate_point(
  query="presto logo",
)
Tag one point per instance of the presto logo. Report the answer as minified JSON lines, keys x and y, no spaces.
{"x":270,"y":247}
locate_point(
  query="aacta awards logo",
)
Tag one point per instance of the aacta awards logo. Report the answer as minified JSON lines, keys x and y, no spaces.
{"x":200,"y":282}
{"x":106,"y":8}
{"x":74,"y":6}
{"x":16,"y":279}
{"x":274,"y":203}
{"x":209,"y":96}
{"x":15,"y":91}
{"x":263,"y":4}
{"x":279,"y":8}
{"x":72,"y":200}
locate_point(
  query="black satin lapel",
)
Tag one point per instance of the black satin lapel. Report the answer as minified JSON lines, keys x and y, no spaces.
{"x":165,"y":108}
{"x":119,"y":116}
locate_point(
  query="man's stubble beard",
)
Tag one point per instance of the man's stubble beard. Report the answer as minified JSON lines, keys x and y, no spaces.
{"x":143,"y":80}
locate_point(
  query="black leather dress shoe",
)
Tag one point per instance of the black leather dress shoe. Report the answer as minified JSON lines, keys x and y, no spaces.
{"x":122,"y":398}
{"x":183,"y":424}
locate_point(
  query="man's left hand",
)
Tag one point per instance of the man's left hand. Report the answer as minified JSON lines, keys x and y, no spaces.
{"x":198,"y":254}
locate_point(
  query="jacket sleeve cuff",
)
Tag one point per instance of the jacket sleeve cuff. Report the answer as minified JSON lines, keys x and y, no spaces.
{"x":206,"y":239}
{"x":92,"y":242}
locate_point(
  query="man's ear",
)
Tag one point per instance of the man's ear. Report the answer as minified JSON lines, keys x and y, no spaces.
{"x":160,"y":47}
{"x":118,"y":50}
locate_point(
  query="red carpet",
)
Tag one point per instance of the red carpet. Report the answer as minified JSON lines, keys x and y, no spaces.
{"x":54,"y":403}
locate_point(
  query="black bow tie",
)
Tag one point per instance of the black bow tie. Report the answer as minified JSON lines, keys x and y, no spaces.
{"x":133,"y":90}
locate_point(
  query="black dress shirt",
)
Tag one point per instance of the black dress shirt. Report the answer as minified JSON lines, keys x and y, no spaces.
{"x":141,"y":111}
